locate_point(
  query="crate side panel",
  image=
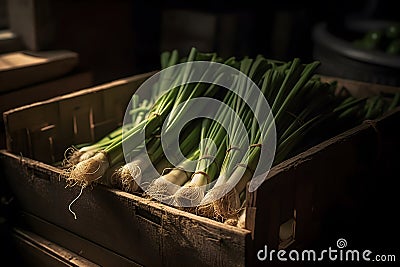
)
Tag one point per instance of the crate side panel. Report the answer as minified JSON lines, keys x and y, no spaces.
{"x":192,"y":240}
{"x":78,"y":117}
{"x":101,"y":218}
{"x":321,"y":176}
{"x":138,"y":229}
{"x":72,"y":242}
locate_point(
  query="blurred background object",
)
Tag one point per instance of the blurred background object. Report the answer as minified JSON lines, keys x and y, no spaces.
{"x":363,"y":45}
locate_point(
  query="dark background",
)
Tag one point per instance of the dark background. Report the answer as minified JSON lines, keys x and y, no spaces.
{"x":115,"y":39}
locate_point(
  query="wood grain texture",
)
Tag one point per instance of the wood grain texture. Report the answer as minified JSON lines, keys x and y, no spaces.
{"x":45,"y":129}
{"x":317,"y":179}
{"x":141,"y":230}
{"x":26,"y":68}
{"x":48,"y":89}
{"x":34,"y":250}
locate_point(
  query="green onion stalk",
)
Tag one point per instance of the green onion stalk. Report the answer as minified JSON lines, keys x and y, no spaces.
{"x":163,"y":187}
{"x":207,"y":166}
{"x":92,"y":169}
{"x":180,"y":107}
{"x":83,"y":151}
{"x":174,"y":120}
{"x":308,"y":104}
{"x":128,"y":176}
{"x":296,"y":77}
{"x":254,"y":69}
{"x":81,"y":160}
{"x":109,"y":157}
{"x":139,"y":112}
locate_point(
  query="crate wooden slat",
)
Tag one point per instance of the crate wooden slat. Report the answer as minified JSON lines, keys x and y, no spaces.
{"x":304,"y":187}
{"x":26,"y":68}
{"x":73,"y":242}
{"x":35,"y":250}
{"x":48,"y":89}
{"x":141,"y":230}
{"x":295,"y":196}
{"x":82,"y":116}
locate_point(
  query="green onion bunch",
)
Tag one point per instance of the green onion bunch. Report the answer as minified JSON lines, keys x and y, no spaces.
{"x":303,"y":111}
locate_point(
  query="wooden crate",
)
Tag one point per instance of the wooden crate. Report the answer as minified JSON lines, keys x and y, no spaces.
{"x":33,"y":250}
{"x":39,"y":92}
{"x":26,"y":68}
{"x":115,"y":227}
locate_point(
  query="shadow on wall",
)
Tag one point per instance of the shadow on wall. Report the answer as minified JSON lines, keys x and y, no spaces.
{"x":238,"y":32}
{"x":116,"y":39}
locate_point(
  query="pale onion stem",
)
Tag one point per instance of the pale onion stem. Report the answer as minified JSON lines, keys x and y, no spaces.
{"x":70,"y":204}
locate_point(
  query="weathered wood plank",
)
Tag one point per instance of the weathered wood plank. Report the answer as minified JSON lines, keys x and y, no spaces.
{"x":83,"y":247}
{"x":141,"y":230}
{"x":35,"y":250}
{"x":78,"y":117}
{"x":321,"y":176}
